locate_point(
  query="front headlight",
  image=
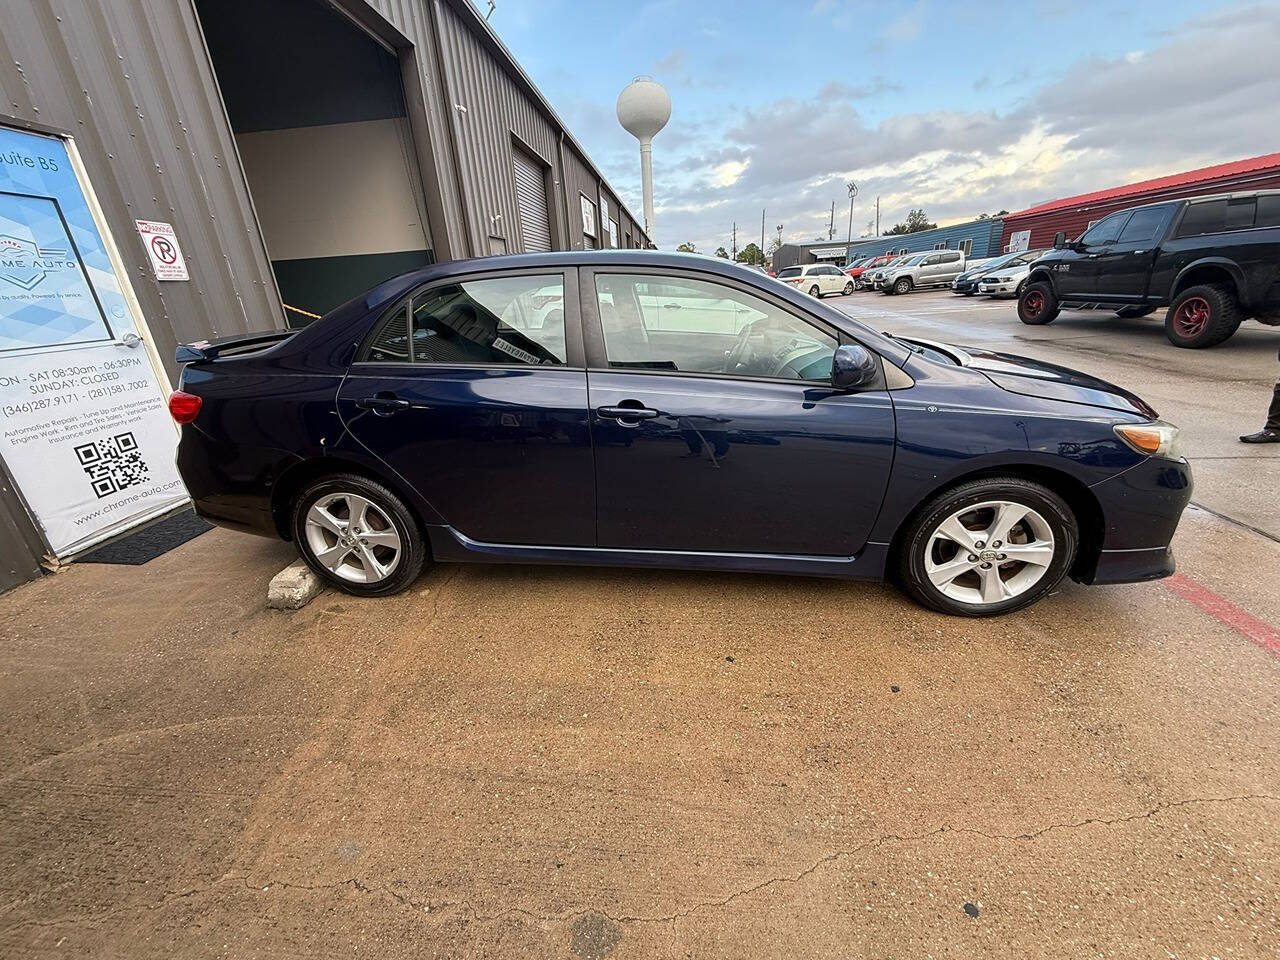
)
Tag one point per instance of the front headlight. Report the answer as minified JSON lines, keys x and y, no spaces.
{"x":1154,"y":439}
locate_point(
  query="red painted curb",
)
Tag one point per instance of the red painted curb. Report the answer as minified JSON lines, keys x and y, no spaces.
{"x":1224,"y":611}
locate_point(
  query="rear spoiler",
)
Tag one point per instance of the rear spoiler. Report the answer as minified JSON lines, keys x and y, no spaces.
{"x":202,"y":351}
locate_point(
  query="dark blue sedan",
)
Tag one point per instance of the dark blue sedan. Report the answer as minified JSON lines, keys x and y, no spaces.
{"x":666,"y":410}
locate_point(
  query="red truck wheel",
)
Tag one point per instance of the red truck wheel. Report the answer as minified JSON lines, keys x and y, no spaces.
{"x":1037,"y":304}
{"x":1202,"y":316}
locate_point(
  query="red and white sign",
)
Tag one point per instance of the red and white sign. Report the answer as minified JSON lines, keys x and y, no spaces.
{"x":162,"y":247}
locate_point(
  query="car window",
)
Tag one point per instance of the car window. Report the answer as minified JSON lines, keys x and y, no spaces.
{"x":1144,"y":224}
{"x":1105,"y":230}
{"x":504,"y":320}
{"x":1268,"y":213}
{"x":790,"y":272}
{"x":951,"y":257}
{"x":1217,"y":216}
{"x":695,"y":326}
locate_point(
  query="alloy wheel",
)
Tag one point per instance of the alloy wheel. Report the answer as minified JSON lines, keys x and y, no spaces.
{"x":989,"y":552}
{"x":1191,"y":317}
{"x":1033,"y":304}
{"x":353,"y":538}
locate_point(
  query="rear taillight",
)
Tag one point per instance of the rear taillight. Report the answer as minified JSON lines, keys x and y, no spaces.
{"x":183,"y":407}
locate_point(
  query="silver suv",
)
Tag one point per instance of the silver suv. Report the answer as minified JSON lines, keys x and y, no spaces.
{"x":935,"y":268}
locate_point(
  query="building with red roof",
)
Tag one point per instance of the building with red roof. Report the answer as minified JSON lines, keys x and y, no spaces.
{"x":1036,"y":226}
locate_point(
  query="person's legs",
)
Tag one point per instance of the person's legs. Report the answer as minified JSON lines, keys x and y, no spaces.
{"x":1273,"y":412}
{"x":1271,"y":432}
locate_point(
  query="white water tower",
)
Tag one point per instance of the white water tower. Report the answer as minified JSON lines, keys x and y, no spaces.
{"x":644,"y":109}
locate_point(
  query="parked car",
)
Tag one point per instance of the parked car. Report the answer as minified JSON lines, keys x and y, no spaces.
{"x":937,"y":268}
{"x":817,"y":279}
{"x":1212,"y":261}
{"x":1011,"y":279}
{"x":967,"y":282}
{"x":752,"y":429}
{"x":858,"y":273}
{"x":872,"y":278}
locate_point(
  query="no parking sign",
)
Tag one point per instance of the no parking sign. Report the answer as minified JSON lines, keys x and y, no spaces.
{"x":162,"y":247}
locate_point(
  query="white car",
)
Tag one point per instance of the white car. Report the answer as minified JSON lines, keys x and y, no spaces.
{"x":1007,"y":281}
{"x":817,"y":279}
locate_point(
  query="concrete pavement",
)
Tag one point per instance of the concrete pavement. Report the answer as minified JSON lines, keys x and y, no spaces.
{"x":538,"y":762}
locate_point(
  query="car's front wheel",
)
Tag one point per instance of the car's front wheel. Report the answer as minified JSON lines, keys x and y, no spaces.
{"x":902,"y":285}
{"x":358,"y":535}
{"x":1037,"y":304}
{"x":848,"y":288}
{"x":988,"y":547}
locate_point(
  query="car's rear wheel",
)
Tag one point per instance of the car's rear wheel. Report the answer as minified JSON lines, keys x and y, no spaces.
{"x":988,"y":547}
{"x":358,"y":535}
{"x":902,"y":285}
{"x":848,"y":288}
{"x":1037,"y":304}
{"x":1202,"y":316}
{"x":815,"y":291}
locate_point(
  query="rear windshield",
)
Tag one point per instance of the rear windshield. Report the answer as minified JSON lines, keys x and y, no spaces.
{"x":790,"y":272}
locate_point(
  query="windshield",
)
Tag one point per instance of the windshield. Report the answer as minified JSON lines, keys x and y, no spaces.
{"x":912,"y":261}
{"x":789,"y":272}
{"x":997,"y":262}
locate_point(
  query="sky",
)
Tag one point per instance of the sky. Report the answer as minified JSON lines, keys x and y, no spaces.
{"x":959,"y":108}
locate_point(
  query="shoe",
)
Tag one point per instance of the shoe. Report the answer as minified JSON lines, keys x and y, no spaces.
{"x":1262,"y":436}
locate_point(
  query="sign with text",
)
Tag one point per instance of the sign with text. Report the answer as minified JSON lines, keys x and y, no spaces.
{"x":83,"y":424}
{"x":162,"y":247}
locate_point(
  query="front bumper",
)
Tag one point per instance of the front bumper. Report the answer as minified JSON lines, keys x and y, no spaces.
{"x":1007,"y":286}
{"x":1141,"y":508}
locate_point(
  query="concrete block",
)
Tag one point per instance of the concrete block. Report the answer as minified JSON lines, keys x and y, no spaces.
{"x":293,"y":587}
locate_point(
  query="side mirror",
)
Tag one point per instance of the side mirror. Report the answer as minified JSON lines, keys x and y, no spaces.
{"x":853,"y":367}
{"x":1060,"y":240}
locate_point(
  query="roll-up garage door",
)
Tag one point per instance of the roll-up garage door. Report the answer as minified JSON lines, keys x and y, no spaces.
{"x":531,"y":196}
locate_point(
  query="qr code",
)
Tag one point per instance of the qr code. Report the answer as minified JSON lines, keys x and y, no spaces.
{"x":113,"y":464}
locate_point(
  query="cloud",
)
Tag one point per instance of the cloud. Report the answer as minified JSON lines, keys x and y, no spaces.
{"x":1205,"y":92}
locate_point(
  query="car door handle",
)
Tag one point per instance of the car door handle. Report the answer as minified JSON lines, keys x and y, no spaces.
{"x":628,"y":413}
{"x":383,"y":404}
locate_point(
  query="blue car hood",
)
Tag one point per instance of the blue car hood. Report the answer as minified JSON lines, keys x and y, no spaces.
{"x":1035,"y":378}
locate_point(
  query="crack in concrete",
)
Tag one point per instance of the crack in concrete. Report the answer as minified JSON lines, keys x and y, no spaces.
{"x":672,"y":918}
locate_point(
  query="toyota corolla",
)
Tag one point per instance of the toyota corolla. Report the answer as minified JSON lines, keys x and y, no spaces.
{"x":664,"y":410}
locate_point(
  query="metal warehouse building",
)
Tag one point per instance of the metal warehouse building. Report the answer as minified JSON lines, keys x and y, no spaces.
{"x":1036,"y":226}
{"x":817,"y":251}
{"x":173,"y":170}
{"x":977,"y":238}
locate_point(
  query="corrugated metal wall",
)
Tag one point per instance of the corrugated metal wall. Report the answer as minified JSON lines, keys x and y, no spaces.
{"x":984,"y":233}
{"x":1074,"y":220}
{"x":129,"y":81}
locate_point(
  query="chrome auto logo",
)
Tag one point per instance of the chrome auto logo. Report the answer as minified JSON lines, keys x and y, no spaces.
{"x":25,"y":265}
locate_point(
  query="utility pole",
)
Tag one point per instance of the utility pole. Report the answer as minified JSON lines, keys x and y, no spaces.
{"x":735,"y":240}
{"x":762,"y":232}
{"x":831,"y":223}
{"x":853,"y":192}
{"x":877,"y":216}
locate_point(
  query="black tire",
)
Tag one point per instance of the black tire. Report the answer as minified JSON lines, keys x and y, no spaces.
{"x":916,"y":539}
{"x":848,"y":288}
{"x":412,"y":551}
{"x":1134,"y":313}
{"x":1202,"y":316}
{"x":902,"y":285}
{"x":815,"y":291}
{"x":1038,"y":304}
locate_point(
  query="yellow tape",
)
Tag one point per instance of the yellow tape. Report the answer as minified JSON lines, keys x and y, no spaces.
{"x":305,"y":313}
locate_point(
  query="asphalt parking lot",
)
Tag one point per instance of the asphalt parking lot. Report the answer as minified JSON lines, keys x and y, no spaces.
{"x":559,"y":762}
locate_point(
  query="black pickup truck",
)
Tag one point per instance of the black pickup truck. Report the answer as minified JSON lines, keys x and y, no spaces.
{"x":1213,"y":261}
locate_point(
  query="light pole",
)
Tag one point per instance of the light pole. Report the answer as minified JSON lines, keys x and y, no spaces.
{"x":853,"y":192}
